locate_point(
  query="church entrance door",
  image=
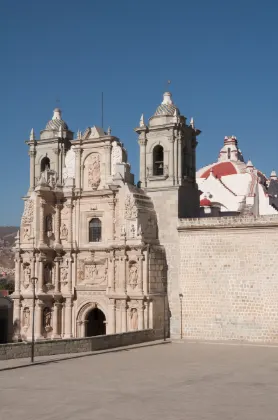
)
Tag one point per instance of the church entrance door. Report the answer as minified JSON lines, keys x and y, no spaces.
{"x":95,"y":323}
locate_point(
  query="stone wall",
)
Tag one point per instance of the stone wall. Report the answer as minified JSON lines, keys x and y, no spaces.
{"x":78,"y":345}
{"x":229,"y":278}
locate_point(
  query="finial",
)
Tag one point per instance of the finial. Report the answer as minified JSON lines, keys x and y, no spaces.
{"x":109,"y":131}
{"x":192,"y":122}
{"x":142,"y":122}
{"x":249,"y":164}
{"x":32,"y":134}
{"x":57,"y":114}
{"x":273,"y":175}
{"x":79,"y":135}
{"x":167,"y":99}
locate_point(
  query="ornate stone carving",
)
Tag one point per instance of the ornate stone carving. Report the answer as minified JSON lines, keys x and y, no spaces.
{"x":94,"y":171}
{"x":133,"y":275}
{"x":133,"y":319}
{"x":47,"y":274}
{"x":130,"y":207}
{"x":132,"y":230}
{"x":28,"y":213}
{"x":64,"y":232}
{"x":27,"y":276}
{"x":95,"y":274}
{"x":47,"y":315}
{"x":26,"y":318}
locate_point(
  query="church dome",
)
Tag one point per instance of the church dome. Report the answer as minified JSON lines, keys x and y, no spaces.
{"x":56,"y":121}
{"x":166,"y":107}
{"x":205,"y":202}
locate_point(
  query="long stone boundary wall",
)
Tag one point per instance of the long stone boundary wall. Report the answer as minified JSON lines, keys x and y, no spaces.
{"x":229,"y":278}
{"x":77,"y":345}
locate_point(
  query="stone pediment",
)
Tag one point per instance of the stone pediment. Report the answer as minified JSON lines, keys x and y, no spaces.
{"x":93,"y":133}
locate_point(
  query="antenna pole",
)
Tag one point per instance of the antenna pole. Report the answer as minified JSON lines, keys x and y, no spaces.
{"x":102,"y":109}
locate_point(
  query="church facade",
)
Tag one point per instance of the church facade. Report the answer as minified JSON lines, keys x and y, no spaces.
{"x":104,"y":256}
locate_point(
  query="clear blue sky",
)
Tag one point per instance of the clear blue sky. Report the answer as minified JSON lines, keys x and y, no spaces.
{"x":221,"y":56}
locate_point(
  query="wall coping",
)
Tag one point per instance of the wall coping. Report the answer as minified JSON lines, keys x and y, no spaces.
{"x":229,"y":222}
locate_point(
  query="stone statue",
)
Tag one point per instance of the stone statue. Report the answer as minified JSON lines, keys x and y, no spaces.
{"x":64,"y":231}
{"x":47,"y":274}
{"x":26,"y":317}
{"x":26,"y":232}
{"x":133,"y":319}
{"x":48,"y":223}
{"x":130,"y":207}
{"x":133,"y":275}
{"x":64,"y":275}
{"x":27,"y":276}
{"x":47,"y":318}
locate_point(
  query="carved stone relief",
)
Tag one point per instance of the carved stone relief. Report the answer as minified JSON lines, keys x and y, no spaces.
{"x":93,"y":171}
{"x":49,"y":225}
{"x":69,"y":170}
{"x":47,"y":274}
{"x":64,"y":275}
{"x":26,"y":232}
{"x":28,"y":213}
{"x":130,"y":207}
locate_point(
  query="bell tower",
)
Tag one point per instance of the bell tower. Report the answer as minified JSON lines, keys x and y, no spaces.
{"x":168,"y":157}
{"x":167,"y":174}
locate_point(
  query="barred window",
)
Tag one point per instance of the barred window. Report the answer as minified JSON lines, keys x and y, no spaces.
{"x":95,"y":230}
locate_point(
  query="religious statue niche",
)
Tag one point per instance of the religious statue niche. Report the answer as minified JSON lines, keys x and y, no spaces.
{"x":26,"y":318}
{"x":93,"y":171}
{"x":133,"y":319}
{"x":47,"y":275}
{"x":64,"y":232}
{"x":27,"y":275}
{"x":117,"y":155}
{"x":47,"y":314}
{"x":130,"y":207}
{"x":49,"y":225}
{"x":133,"y":274}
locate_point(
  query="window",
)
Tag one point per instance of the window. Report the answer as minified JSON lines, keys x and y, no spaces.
{"x":158,"y":160}
{"x":45,"y":164}
{"x":229,"y":153}
{"x":95,"y":230}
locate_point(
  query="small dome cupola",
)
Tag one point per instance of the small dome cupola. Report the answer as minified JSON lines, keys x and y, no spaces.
{"x":230,"y":150}
{"x":167,"y":107}
{"x":56,"y":121}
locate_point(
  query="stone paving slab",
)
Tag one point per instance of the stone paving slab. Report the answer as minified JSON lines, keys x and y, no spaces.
{"x":185,"y":381}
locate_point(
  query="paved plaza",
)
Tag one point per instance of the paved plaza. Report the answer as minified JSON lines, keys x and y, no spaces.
{"x":168,"y":381}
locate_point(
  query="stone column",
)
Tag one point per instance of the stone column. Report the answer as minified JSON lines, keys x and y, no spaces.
{"x":179,"y":161}
{"x":57,"y":275}
{"x":112,"y":317}
{"x":68,"y":318}
{"x":151,"y":314}
{"x":146,"y":272}
{"x":107,"y":149}
{"x":111,"y":273}
{"x":143,"y":166}
{"x":173,"y":159}
{"x":70,"y":208}
{"x":141,"y":272}
{"x":57,"y":152}
{"x":58,"y":223}
{"x":78,"y":168}
{"x":32,"y":154}
{"x":112,"y":204}
{"x":38,"y":320}
{"x":141,"y":315}
{"x":55,"y":320}
{"x":124,"y":316}
{"x":17,"y":320}
{"x":42,"y":224}
{"x":70,"y":275}
{"x":41,"y":274}
{"x":17,"y":275}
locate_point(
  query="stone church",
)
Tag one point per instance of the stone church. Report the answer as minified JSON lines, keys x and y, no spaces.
{"x":104,"y":256}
